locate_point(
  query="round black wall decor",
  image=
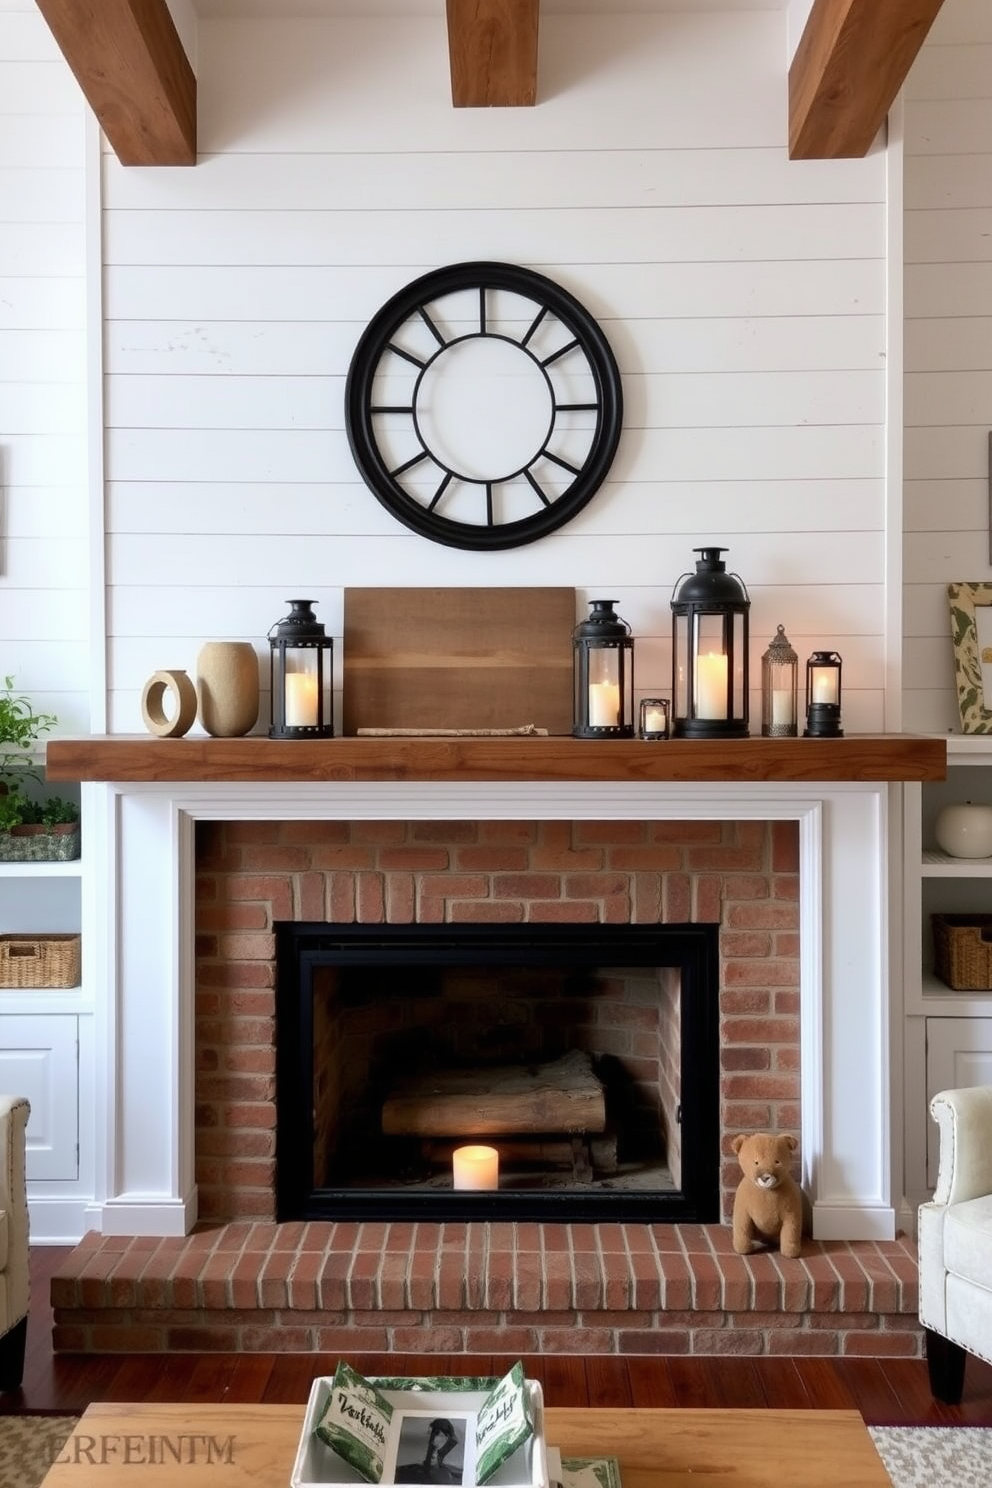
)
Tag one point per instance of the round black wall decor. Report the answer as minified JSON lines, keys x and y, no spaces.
{"x":483,"y":406}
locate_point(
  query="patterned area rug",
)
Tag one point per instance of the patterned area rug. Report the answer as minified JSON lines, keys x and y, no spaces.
{"x":28,"y":1447}
{"x":935,"y":1456}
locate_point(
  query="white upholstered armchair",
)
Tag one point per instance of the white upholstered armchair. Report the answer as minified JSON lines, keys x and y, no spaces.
{"x":14,"y":1284}
{"x":955,"y":1241}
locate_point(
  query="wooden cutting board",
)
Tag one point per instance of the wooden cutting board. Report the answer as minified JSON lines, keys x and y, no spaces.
{"x":458,"y":658}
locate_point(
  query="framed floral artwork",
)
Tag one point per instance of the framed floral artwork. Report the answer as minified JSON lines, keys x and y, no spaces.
{"x":971,"y":632}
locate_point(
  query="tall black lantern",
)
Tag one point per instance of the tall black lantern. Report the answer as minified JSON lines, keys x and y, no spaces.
{"x":823,"y":696}
{"x":603,"y":671}
{"x":301,"y":656}
{"x":710,"y":651}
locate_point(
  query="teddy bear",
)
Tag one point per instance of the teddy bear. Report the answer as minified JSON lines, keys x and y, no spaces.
{"x":768,"y":1205}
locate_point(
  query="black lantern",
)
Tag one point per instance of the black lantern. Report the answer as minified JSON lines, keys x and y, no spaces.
{"x":779,"y":678}
{"x":603,"y":672}
{"x":710,"y":651}
{"x":823,"y":696}
{"x":301,"y":675}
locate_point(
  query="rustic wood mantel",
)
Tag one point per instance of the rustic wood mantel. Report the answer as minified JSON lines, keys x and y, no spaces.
{"x":143,"y":759}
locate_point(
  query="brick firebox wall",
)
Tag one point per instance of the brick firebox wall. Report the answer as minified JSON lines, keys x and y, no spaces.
{"x":743,"y":875}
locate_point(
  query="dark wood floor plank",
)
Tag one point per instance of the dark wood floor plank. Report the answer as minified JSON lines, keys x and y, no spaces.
{"x":827,"y":1389}
{"x":651,"y":1384}
{"x":563,"y":1377}
{"x":870,"y":1389}
{"x":782,"y":1384}
{"x":693,"y":1381}
{"x":739,"y":1388}
{"x":607,"y":1382}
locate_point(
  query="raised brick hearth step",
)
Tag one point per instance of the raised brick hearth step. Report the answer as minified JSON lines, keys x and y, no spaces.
{"x":483,"y":1288}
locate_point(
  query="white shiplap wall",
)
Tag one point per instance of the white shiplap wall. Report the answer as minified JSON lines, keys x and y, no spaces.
{"x":948,"y":345}
{"x":44,"y":525}
{"x":744,"y":297}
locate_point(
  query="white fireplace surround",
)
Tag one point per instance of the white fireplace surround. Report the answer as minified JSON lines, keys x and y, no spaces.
{"x":142,"y":836}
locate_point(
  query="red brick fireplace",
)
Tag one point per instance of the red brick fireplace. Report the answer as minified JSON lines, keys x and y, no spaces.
{"x":250,"y":875}
{"x":208,"y":842}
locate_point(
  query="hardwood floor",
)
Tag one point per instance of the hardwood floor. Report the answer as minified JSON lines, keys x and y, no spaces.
{"x":886,"y":1391}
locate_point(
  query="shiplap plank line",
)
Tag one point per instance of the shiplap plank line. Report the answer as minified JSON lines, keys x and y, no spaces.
{"x":648,"y":235}
{"x":519,"y":180}
{"x":54,"y":357}
{"x":950,"y":182}
{"x":679,"y":400}
{"x":956,"y":345}
{"x":615,"y":291}
{"x":599,"y":559}
{"x":842,"y":343}
{"x":749,"y":454}
{"x":195,"y":507}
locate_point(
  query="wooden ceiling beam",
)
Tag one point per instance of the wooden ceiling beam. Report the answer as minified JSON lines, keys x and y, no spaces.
{"x":127,"y":58}
{"x":851,"y":61}
{"x":492,"y":52}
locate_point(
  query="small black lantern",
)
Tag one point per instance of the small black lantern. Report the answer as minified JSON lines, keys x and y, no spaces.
{"x":300,"y":661}
{"x":823,"y":696}
{"x":779,"y":686}
{"x":654,"y":718}
{"x":710,"y":651}
{"x":603,"y":673}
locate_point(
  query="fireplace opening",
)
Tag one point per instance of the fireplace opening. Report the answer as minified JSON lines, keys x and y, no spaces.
{"x":586,"y":1056}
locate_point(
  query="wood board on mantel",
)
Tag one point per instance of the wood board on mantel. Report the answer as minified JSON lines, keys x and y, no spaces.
{"x":458,"y":658}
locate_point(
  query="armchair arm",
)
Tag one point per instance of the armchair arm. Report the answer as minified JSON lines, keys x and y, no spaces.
{"x":964,"y":1119}
{"x":14,"y":1113}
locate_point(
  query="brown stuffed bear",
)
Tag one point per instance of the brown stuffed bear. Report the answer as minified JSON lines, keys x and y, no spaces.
{"x":768,"y":1205}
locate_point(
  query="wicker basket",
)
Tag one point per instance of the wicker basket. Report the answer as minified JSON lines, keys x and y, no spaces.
{"x":962,"y":951}
{"x":39,"y":960}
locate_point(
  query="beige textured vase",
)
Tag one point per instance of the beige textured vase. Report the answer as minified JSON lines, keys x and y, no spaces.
{"x":227,"y":688}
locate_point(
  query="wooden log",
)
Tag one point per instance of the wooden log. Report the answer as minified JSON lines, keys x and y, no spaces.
{"x":563,"y":1096}
{"x":541,"y":1151}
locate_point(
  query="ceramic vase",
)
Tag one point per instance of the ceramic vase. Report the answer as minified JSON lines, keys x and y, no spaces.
{"x":227,"y":688}
{"x":965,"y":831}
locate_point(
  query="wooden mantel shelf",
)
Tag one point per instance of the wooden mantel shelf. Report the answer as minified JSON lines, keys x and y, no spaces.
{"x":258,"y":760}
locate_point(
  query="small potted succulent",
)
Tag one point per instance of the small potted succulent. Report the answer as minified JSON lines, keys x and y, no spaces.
{"x":30,"y":830}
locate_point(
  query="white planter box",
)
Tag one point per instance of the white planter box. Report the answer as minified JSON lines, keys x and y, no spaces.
{"x":316,"y":1463}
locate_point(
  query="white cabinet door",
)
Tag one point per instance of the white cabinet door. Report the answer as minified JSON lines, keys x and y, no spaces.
{"x":959,"y":1053}
{"x":39,"y":1059}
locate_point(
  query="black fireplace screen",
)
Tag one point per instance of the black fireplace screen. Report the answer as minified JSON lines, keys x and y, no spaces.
{"x":491,"y":1071}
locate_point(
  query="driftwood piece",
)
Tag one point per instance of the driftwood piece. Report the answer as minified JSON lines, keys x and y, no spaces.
{"x":563,"y":1096}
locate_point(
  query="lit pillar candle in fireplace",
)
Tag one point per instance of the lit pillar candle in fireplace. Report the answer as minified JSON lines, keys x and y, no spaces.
{"x":475,"y":1167}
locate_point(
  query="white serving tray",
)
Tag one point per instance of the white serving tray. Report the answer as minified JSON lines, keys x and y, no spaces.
{"x":317,"y":1463}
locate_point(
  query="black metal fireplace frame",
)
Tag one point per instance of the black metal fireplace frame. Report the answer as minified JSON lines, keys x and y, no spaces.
{"x":304,"y":946}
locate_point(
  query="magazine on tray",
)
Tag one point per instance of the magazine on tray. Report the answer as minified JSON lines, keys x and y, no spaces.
{"x":384,"y":1443}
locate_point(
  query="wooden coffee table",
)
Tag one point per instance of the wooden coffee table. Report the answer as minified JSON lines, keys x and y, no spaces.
{"x":254,"y":1446}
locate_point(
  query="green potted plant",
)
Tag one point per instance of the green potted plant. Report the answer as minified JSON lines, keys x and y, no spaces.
{"x":30,"y":830}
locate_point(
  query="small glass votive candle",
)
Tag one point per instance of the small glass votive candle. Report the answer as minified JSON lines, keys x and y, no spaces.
{"x":654,"y":718}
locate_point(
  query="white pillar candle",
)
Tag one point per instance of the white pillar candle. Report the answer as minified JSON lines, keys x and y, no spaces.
{"x":781,"y":705}
{"x":825,"y":683}
{"x":711,"y":686}
{"x":301,"y":700}
{"x":655,"y":719}
{"x":604,"y":705}
{"x":475,"y":1167}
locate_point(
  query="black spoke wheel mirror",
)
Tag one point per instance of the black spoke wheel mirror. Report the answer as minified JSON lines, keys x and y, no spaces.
{"x":483,"y":406}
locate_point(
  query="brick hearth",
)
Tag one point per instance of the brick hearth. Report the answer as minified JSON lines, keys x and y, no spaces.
{"x":487,"y":1288}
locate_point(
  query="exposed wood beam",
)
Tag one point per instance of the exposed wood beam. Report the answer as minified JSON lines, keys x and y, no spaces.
{"x":127,"y":58}
{"x":851,"y":61}
{"x":492,"y":52}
